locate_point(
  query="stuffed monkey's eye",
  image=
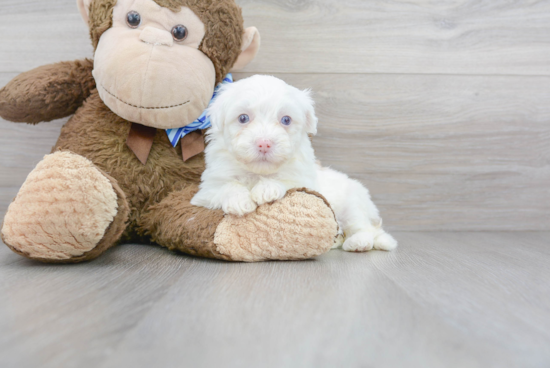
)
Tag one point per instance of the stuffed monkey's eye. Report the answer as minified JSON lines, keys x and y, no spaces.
{"x":179,"y":33}
{"x":133,"y":19}
{"x":243,"y":119}
{"x":286,"y":120}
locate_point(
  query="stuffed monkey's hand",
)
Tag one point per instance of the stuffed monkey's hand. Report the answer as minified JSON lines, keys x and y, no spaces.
{"x":47,"y":93}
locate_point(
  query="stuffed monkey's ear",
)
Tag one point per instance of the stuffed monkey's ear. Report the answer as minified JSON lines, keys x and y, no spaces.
{"x":249,"y":49}
{"x":84,"y":7}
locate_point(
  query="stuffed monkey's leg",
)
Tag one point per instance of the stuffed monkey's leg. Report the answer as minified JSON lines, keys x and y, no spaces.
{"x":67,"y":211}
{"x":299,"y":226}
{"x":177,"y":225}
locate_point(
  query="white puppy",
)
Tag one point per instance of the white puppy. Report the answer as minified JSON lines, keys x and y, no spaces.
{"x":258,"y":148}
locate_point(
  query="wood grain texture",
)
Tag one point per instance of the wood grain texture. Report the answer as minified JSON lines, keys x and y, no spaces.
{"x":328,"y":36}
{"x":37,"y":32}
{"x":440,"y":300}
{"x":397,"y":36}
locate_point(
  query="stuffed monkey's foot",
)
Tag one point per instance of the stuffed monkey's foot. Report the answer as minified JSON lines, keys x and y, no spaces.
{"x":67,"y":211}
{"x":299,"y":226}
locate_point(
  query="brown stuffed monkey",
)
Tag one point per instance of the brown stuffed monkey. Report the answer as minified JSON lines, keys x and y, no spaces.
{"x":113,"y":175}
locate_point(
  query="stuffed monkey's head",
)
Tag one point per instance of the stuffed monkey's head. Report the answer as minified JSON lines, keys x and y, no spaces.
{"x":157,"y":61}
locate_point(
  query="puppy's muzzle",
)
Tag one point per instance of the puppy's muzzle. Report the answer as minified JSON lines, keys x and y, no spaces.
{"x":264,"y":146}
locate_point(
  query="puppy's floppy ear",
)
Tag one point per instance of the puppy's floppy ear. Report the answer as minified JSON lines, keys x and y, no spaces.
{"x":311,"y":118}
{"x":311,"y":124}
{"x":84,"y":7}
{"x":216,"y":111}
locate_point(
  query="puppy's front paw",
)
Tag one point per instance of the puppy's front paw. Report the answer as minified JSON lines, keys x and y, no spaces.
{"x":359,"y":242}
{"x":239,"y":204}
{"x":267,"y":191}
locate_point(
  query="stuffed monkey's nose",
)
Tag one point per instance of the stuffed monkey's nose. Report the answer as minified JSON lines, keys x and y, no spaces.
{"x":155,"y":36}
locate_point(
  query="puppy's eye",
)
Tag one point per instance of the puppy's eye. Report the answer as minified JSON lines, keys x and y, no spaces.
{"x":133,"y":19}
{"x":179,"y":33}
{"x":243,"y":119}
{"x":286,"y":120}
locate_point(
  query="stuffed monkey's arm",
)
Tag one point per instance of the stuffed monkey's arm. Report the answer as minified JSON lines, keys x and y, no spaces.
{"x":300,"y":226}
{"x":48,"y":92}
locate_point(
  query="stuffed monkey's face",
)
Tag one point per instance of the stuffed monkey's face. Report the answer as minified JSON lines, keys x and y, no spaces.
{"x":148,"y":67}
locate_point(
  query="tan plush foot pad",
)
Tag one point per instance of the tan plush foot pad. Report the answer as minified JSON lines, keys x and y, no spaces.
{"x":64,"y":210}
{"x":300,"y":226}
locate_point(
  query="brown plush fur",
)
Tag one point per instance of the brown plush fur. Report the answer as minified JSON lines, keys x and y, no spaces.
{"x":115,"y":229}
{"x":284,"y":230}
{"x":299,"y":226}
{"x":47,"y":93}
{"x":95,"y":132}
{"x":197,"y":228}
{"x":222,"y":19}
{"x":152,"y":199}
{"x":110,"y":238}
{"x":159,"y":192}
{"x":69,"y":189}
{"x":101,"y":19}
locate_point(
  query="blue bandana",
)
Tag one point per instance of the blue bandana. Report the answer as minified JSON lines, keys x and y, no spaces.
{"x":202,"y":122}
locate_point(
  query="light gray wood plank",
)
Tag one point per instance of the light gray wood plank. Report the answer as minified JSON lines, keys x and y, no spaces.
{"x":415,"y":36}
{"x":35,"y":33}
{"x":442,"y":299}
{"x":328,"y":36}
{"x":74,"y":316}
{"x":490,"y":285}
{"x":267,"y":318}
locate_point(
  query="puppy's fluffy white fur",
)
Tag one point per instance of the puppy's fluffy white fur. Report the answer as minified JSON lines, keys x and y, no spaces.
{"x":259,"y":147}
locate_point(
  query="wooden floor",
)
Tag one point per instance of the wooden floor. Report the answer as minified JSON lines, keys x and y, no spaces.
{"x":441,"y":300}
{"x":440,"y":108}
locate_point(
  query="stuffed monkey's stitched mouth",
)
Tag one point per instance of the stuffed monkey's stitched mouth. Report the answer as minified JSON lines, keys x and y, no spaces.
{"x":143,"y":107}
